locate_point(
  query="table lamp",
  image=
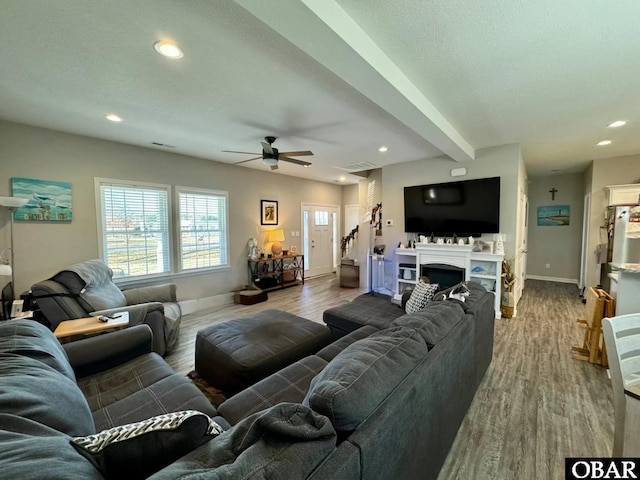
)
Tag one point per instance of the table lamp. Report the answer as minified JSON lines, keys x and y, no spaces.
{"x":276,"y":236}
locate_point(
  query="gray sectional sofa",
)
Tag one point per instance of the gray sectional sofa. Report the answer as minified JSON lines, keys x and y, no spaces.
{"x":377,"y":403}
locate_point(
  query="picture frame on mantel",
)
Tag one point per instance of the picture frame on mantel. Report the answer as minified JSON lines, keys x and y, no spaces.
{"x":268,"y":212}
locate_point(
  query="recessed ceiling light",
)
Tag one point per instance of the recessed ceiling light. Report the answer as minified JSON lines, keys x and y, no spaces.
{"x":342,"y":178}
{"x":383,"y":149}
{"x":168,"y":49}
{"x":617,"y":123}
{"x":604,"y":143}
{"x":112,"y":117}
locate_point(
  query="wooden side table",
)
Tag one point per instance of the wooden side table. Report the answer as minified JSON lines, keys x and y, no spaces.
{"x":89,"y":325}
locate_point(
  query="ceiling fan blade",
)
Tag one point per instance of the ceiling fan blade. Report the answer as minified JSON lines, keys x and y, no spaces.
{"x":250,"y":160}
{"x":301,"y":153}
{"x":293,"y":160}
{"x":233,"y":151}
{"x":267,"y":148}
{"x":274,"y":167}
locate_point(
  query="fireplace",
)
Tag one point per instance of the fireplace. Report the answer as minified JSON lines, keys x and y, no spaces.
{"x":444,"y":275}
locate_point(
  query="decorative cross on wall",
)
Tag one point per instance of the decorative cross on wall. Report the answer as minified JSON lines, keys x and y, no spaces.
{"x":553,"y":192}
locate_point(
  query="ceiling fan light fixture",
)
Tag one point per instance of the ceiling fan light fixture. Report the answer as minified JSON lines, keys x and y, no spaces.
{"x":617,"y":123}
{"x":270,"y":162}
{"x":168,"y":49}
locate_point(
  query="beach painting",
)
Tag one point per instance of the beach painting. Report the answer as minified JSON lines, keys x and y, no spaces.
{"x":553,"y":215}
{"x":49,"y":200}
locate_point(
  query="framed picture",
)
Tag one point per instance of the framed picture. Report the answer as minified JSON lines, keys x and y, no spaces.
{"x":49,"y":200}
{"x":268,"y":212}
{"x":554,"y":215}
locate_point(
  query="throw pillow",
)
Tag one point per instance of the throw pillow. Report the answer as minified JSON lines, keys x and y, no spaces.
{"x":359,"y":379}
{"x":422,"y":293}
{"x":139,"y":449}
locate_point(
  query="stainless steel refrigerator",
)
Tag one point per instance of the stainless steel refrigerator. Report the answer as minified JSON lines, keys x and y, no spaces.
{"x":623,"y":239}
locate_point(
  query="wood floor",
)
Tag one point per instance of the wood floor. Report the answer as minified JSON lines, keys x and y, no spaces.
{"x":307,"y":301}
{"x":536,"y":404}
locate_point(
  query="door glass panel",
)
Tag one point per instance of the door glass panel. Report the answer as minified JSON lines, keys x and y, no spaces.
{"x":321,"y":218}
{"x":305,"y":238}
{"x":334,"y":235}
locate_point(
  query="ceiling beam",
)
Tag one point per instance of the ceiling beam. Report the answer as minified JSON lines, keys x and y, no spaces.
{"x":325,"y":32}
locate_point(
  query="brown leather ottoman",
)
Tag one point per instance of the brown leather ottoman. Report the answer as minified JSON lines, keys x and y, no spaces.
{"x":238,"y":353}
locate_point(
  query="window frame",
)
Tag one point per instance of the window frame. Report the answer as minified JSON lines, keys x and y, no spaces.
{"x":178,"y":190}
{"x":173,"y":224}
{"x":100,"y":222}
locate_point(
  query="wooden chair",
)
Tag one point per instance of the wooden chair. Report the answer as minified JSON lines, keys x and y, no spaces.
{"x":599,"y":305}
{"x":622,"y":337}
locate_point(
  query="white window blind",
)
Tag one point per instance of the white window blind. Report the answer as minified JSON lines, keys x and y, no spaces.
{"x":203,"y":229}
{"x":135,"y":228}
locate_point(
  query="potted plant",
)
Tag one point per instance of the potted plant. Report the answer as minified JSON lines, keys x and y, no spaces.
{"x":507,"y":303}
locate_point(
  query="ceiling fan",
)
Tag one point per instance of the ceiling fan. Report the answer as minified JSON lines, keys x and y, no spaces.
{"x":270,"y":155}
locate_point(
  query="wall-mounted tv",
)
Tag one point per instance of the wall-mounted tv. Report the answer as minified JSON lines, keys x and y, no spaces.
{"x":470,"y":207}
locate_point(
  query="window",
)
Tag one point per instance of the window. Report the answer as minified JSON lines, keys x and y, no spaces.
{"x":321,"y":218}
{"x":137,"y":231}
{"x":203,"y":228}
{"x":135,"y":227}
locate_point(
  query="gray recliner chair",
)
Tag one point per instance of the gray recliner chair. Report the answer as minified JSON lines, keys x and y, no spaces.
{"x":86,"y":289}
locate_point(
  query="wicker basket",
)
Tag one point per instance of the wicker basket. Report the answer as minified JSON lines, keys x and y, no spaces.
{"x":507,"y":304}
{"x":507,"y":312}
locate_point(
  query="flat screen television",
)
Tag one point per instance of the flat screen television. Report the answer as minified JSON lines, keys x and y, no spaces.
{"x":469,"y":207}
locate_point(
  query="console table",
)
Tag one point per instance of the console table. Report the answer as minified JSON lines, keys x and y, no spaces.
{"x":277,"y":272}
{"x":481,"y":267}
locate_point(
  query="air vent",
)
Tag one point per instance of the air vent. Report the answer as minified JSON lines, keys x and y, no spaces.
{"x":164,"y":145}
{"x":358,"y":166}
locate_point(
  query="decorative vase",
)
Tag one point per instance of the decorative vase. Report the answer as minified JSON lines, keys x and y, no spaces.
{"x":507,"y":304}
{"x":499,"y":244}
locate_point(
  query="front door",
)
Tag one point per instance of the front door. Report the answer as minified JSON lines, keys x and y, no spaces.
{"x":319,"y":227}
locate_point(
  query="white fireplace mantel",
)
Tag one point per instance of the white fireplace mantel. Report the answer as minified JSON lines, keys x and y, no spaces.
{"x":482,"y":267}
{"x":455,"y":255}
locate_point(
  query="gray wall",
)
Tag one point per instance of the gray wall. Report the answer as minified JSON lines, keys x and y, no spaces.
{"x":350,"y":194}
{"x":503,"y":161}
{"x":41,"y":249}
{"x":604,"y":172}
{"x":560,"y":246}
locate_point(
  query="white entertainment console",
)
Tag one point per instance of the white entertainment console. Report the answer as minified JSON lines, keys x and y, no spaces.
{"x":484,"y":268}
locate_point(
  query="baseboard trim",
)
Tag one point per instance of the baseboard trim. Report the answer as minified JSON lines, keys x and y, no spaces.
{"x":205,"y":303}
{"x":553,"y":279}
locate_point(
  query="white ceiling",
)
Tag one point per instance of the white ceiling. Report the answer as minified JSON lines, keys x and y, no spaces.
{"x":337,"y":77}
